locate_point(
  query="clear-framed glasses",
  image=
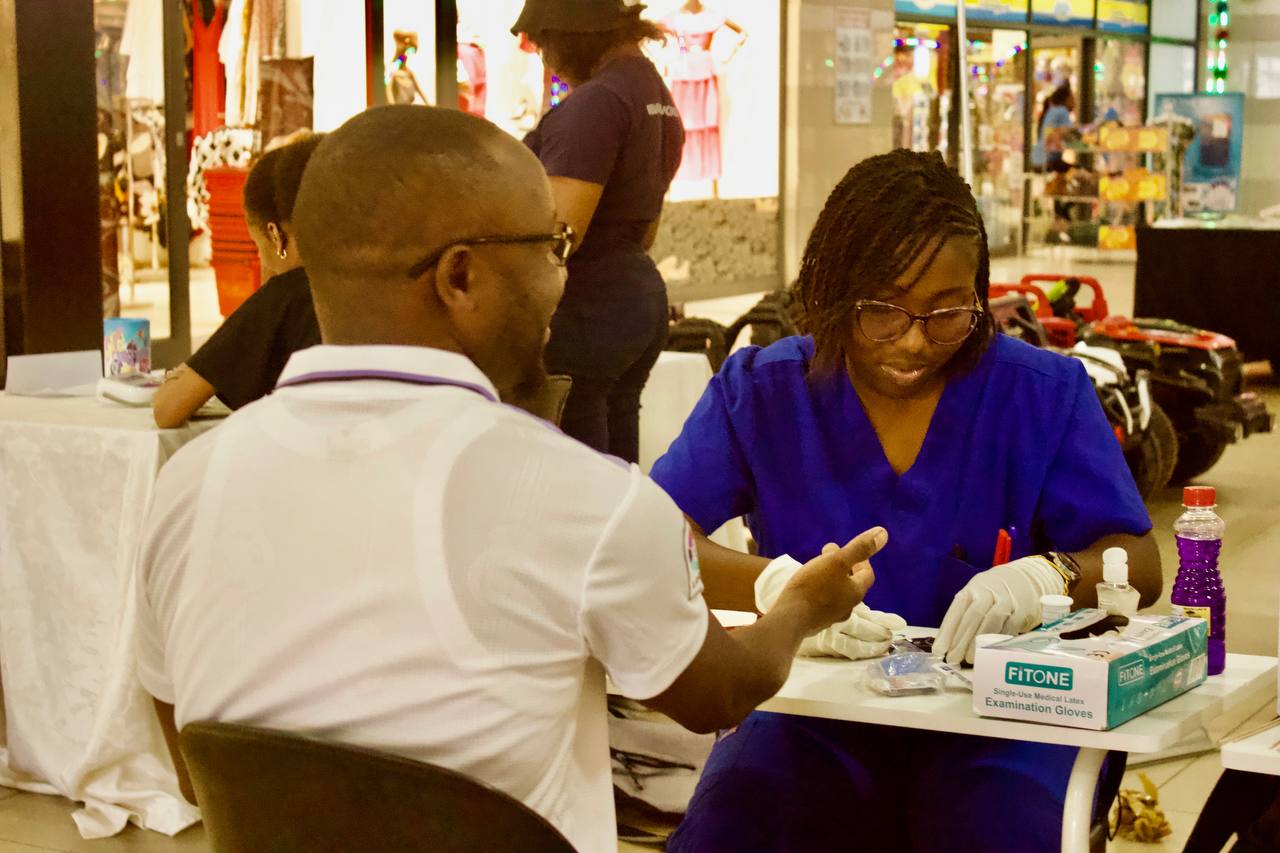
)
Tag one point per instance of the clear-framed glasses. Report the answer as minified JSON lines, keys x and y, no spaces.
{"x":882,"y":322}
{"x":561,"y":241}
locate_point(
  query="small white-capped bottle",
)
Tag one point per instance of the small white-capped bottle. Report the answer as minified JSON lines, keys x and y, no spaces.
{"x":1114,"y":593}
{"x":1054,"y":607}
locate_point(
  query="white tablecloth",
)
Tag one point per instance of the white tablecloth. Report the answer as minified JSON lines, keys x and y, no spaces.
{"x":76,"y":476}
{"x":673,"y":389}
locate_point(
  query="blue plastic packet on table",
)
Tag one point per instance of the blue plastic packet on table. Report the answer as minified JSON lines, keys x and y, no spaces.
{"x":905,"y":674}
{"x":912,"y":669}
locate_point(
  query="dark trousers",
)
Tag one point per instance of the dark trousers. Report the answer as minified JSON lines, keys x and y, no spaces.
{"x":790,"y":784}
{"x":1244,"y":804}
{"x":609,"y":347}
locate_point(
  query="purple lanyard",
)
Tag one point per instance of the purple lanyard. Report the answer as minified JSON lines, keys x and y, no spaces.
{"x":385,"y":376}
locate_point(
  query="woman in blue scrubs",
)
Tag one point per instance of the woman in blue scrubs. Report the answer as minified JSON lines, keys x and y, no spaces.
{"x":904,"y":409}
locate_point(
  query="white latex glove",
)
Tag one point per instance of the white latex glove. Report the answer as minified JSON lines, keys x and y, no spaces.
{"x":1002,"y":600}
{"x":865,"y":634}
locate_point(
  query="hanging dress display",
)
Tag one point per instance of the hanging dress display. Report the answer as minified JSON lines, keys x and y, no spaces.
{"x":473,"y":73}
{"x":253,"y":30}
{"x":143,"y":42}
{"x":208,"y":80}
{"x":696,"y":91}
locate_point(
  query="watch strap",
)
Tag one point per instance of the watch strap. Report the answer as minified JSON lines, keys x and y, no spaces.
{"x":1067,"y":566}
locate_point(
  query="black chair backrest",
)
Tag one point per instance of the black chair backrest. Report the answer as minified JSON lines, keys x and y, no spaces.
{"x":694,"y":334}
{"x":771,"y":319}
{"x":265,"y":791}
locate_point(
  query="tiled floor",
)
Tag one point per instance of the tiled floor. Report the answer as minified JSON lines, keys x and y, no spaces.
{"x":1184,"y":785}
{"x":1248,"y":479}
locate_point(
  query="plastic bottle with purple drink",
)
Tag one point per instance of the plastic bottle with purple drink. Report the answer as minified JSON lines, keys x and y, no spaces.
{"x":1198,"y":590}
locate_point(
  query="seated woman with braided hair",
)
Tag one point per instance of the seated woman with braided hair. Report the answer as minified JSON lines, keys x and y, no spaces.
{"x":245,"y":356}
{"x":903,"y":408}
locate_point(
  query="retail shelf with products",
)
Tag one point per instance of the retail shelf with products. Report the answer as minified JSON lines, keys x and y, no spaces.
{"x":1118,"y":178}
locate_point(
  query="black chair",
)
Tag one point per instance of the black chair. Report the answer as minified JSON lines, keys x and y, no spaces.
{"x":270,"y":792}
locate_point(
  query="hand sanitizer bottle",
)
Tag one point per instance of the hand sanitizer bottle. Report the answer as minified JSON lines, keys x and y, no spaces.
{"x":1114,"y":593}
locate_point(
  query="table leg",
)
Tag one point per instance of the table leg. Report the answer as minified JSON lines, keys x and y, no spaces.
{"x":1077,"y":811}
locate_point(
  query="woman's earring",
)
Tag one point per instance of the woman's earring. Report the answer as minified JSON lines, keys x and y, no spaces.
{"x":282,"y":250}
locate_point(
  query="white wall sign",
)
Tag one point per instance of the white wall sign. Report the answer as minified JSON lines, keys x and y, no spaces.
{"x":855,"y":63}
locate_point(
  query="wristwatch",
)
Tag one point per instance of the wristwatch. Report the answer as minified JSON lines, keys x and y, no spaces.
{"x":1065,"y":565}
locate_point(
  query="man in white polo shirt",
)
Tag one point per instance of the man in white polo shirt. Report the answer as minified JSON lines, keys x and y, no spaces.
{"x":381,"y":553}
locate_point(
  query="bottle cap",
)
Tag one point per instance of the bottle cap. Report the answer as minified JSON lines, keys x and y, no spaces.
{"x":1199,"y":496}
{"x":1115,"y":566}
{"x":1057,"y":602}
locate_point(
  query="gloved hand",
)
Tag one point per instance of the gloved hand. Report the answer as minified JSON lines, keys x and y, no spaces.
{"x":865,"y":633}
{"x":1002,"y":600}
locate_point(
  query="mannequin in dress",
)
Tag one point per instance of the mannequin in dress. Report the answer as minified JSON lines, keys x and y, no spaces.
{"x":402,"y":85}
{"x":696,"y":89}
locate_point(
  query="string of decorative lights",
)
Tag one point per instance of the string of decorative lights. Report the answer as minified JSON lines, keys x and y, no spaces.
{"x":931,"y":44}
{"x":1219,"y":32}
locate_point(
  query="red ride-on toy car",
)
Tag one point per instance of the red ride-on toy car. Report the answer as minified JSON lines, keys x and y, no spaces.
{"x":1196,"y":375}
{"x":1144,"y":431}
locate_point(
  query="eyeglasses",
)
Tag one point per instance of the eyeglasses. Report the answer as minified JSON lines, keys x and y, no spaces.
{"x":882,"y":322}
{"x":561,"y":241}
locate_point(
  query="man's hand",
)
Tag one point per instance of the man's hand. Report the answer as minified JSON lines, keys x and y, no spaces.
{"x":733,"y":673}
{"x":826,"y":588}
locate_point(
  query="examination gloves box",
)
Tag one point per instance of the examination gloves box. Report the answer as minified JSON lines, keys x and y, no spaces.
{"x":1091,"y":670}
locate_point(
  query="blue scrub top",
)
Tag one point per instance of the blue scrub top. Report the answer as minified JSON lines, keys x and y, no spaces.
{"x":1018,"y":441}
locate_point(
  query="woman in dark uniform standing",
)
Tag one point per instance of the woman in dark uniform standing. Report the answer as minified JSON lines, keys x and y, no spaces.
{"x":611,"y":149}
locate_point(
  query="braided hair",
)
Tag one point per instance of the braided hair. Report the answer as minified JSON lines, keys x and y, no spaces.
{"x":886,"y":213}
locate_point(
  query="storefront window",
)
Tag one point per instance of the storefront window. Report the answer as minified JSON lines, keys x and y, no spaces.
{"x":1173,"y":69}
{"x":996,"y":65}
{"x":1061,"y":190}
{"x":408,"y":41}
{"x":500,"y":76}
{"x":920,"y":70}
{"x":723,"y":65}
{"x":1056,"y":63}
{"x":1120,"y":81}
{"x":131,"y":162}
{"x":1174,"y":19}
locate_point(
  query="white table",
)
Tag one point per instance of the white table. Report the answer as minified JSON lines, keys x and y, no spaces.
{"x":76,"y":477}
{"x":833,"y":689}
{"x":1255,"y":754}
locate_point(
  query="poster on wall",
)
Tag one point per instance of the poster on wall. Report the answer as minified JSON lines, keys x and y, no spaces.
{"x":855,"y":65}
{"x":1211,"y":170}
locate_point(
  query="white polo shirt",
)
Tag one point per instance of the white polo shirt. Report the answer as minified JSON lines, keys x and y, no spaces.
{"x":418,"y":569}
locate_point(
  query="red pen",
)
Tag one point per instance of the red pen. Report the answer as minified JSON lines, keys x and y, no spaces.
{"x":1004,"y":548}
